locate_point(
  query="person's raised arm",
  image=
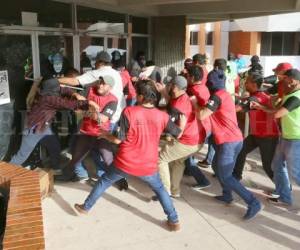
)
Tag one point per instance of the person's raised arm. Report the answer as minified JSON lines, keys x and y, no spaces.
{"x":69,"y":81}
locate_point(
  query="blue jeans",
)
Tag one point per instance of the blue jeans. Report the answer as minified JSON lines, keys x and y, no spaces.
{"x":193,"y":170}
{"x":114,"y":175}
{"x":223,"y":165}
{"x":80,"y":169}
{"x":30,"y":139}
{"x":211,"y":150}
{"x":286,"y":163}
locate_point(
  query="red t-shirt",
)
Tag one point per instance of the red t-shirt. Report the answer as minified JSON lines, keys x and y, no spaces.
{"x":191,"y":134}
{"x":263,"y":124}
{"x":127,"y":84}
{"x":107,"y":106}
{"x":205,"y":74}
{"x":280,"y":89}
{"x":138,"y":152}
{"x":201,"y":92}
{"x":224,"y":121}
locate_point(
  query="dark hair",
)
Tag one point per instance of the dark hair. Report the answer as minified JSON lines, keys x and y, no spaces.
{"x":256,"y":78}
{"x":119,"y":63}
{"x":256,"y":68}
{"x":196,"y":72}
{"x":231,"y":56}
{"x":72,"y":72}
{"x":221,"y":63}
{"x":139,"y":54}
{"x":148,"y":90}
{"x":199,"y":58}
{"x":150,"y":63}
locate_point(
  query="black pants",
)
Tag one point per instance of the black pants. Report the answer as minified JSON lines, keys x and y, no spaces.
{"x":266,"y":147}
{"x":83,"y":144}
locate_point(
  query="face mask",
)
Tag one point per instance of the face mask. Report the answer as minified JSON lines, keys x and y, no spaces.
{"x":57,"y":63}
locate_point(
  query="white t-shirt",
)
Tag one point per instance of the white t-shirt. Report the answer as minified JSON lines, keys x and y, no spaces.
{"x":93,"y":75}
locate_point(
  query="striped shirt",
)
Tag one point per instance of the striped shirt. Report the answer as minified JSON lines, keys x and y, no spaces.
{"x":45,"y":108}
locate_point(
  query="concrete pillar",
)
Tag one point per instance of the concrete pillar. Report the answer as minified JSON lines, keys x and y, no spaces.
{"x":202,"y":38}
{"x":187,"y":41}
{"x":217,"y":40}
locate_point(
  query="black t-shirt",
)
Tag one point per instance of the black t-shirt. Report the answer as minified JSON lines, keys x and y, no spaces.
{"x":291,"y":103}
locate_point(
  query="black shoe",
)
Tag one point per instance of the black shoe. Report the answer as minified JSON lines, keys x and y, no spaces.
{"x":80,"y":179}
{"x":122,"y":184}
{"x":64,"y":178}
{"x":204,"y":164}
{"x":221,"y":198}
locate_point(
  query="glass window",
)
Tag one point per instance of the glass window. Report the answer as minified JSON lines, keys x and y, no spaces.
{"x":277,"y":42}
{"x":87,"y":16}
{"x":289,"y":43}
{"x":16,"y":58}
{"x":209,"y":38}
{"x":56,"y":54}
{"x":139,"y":25}
{"x":280,"y":43}
{"x":139,"y":44}
{"x":193,"y":38}
{"x":50,"y":13}
{"x":266,"y":40}
{"x":89,"y":48}
{"x":117,"y":44}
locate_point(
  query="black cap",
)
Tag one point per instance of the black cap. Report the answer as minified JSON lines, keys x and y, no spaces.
{"x":50,"y":87}
{"x":293,"y":73}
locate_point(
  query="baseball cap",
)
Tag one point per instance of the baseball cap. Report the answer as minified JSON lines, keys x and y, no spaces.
{"x":103,"y":56}
{"x":50,"y":87}
{"x":180,"y":82}
{"x":216,"y":80}
{"x":293,"y":73}
{"x":108,"y":80}
{"x":283,"y":67}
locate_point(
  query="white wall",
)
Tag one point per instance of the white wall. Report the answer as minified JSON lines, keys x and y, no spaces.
{"x":270,"y":62}
{"x":194,"y":49}
{"x":283,"y":22}
{"x":225,"y":26}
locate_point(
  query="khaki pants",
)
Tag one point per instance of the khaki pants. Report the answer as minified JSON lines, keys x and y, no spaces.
{"x":171,"y":164}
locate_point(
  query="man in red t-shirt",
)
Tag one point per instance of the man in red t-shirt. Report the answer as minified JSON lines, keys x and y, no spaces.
{"x":228,"y":139}
{"x":279,"y":71}
{"x":173,"y":155}
{"x":200,"y":60}
{"x":199,"y":94}
{"x":128,"y":88}
{"x":264,"y":131}
{"x":92,"y":123}
{"x":140,"y":129}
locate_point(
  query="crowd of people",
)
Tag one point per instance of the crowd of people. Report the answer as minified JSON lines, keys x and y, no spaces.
{"x":125,"y":119}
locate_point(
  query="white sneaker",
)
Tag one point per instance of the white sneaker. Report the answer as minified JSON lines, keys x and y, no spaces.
{"x":57,"y":172}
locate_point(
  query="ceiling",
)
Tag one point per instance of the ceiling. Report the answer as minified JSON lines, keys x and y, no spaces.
{"x":196,"y":10}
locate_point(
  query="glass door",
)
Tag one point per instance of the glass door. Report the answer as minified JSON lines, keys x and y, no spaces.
{"x":56,"y":58}
{"x":89,"y":48}
{"x":16,"y":60}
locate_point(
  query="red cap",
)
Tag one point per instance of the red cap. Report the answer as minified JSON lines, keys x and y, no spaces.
{"x":283,"y":67}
